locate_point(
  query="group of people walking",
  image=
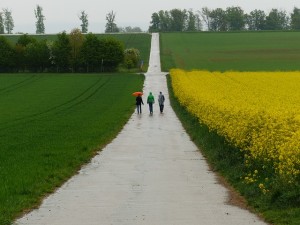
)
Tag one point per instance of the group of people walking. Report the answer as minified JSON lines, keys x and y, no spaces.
{"x":150,"y":102}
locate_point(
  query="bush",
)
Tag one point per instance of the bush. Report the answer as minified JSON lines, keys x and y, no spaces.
{"x":7,"y":54}
{"x":112,"y":53}
{"x":131,"y":58}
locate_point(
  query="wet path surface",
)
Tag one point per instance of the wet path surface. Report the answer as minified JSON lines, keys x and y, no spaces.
{"x":150,"y":174}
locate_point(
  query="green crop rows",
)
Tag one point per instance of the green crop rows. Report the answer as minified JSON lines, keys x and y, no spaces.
{"x":52,"y":124}
{"x":244,"y":51}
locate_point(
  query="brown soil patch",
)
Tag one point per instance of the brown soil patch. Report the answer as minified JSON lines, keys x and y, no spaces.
{"x":235,"y":199}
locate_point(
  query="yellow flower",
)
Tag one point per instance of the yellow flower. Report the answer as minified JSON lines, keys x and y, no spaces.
{"x":258,"y":112}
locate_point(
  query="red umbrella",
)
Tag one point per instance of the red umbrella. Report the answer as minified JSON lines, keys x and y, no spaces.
{"x":137,"y":93}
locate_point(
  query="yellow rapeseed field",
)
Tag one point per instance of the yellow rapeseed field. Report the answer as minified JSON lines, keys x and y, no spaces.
{"x":258,"y":112}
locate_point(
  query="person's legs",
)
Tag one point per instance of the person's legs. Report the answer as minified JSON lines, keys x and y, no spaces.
{"x":138,"y":108}
{"x":151,"y":107}
{"x":161,"y":107}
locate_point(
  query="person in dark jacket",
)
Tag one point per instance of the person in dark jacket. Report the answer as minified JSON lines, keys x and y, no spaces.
{"x":161,"y":100}
{"x":139,"y":102}
{"x":150,"y":101}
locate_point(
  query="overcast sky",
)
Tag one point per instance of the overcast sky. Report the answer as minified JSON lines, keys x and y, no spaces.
{"x":63,"y":14}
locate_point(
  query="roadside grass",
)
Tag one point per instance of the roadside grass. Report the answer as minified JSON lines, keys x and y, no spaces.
{"x":140,"y":41}
{"x":240,"y":51}
{"x":50,"y":125}
{"x":229,"y":162}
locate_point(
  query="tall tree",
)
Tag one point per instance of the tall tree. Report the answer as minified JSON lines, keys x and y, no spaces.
{"x":165,"y":20}
{"x":37,"y":56}
{"x":62,"y":52}
{"x":295,"y":19}
{"x":235,"y":18}
{"x":90,"y":53}
{"x":1,"y":23}
{"x":178,"y":19}
{"x":198,"y":22}
{"x":76,"y":41}
{"x":7,"y":55}
{"x":111,"y":26}
{"x":20,"y":48}
{"x":277,"y":20}
{"x":205,"y":14}
{"x":8,"y":21}
{"x":111,"y":53}
{"x":191,"y":21}
{"x":256,"y":20}
{"x":218,"y":20}
{"x":39,"y":24}
{"x":155,"y":23}
{"x":84,"y":22}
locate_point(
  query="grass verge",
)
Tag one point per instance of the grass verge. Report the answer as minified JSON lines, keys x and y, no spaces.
{"x":228,"y":162}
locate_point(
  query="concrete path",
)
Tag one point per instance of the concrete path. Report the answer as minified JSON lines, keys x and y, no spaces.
{"x":150,"y":174}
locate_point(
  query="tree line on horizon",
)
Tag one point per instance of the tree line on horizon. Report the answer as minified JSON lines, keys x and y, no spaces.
{"x":7,"y":22}
{"x":74,"y":52}
{"x":230,"y":19}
